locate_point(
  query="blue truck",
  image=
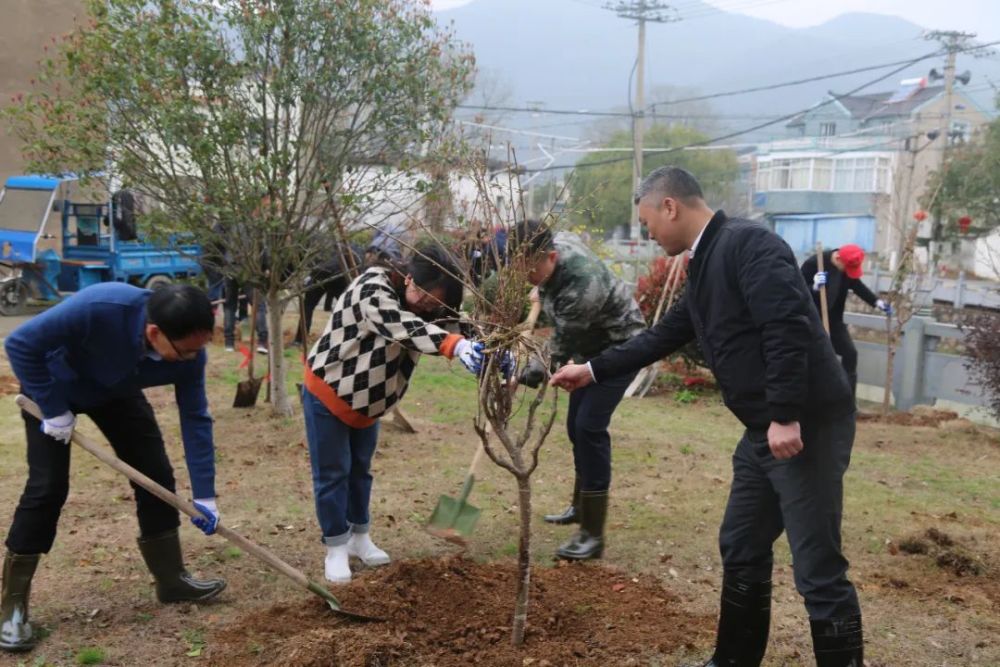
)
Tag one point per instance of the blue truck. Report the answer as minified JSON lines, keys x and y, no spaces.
{"x":95,"y":244}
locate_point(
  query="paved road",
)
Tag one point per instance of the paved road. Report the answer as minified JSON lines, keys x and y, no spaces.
{"x":8,"y":324}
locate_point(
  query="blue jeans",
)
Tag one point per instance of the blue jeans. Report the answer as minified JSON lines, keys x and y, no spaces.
{"x":341,"y":458}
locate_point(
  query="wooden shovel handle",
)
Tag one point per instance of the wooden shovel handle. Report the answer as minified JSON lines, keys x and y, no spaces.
{"x":172,"y":499}
{"x":823,"y":308}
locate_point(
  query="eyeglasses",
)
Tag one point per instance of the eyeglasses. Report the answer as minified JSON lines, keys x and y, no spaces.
{"x":183,"y":356}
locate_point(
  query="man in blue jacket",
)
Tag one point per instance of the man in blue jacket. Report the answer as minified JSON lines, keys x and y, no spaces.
{"x":93,"y":354}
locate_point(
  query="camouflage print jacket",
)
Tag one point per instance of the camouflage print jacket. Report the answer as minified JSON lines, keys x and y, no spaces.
{"x":592,"y":308}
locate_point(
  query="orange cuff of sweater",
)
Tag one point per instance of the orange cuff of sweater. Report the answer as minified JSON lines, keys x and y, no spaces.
{"x":448,"y":345}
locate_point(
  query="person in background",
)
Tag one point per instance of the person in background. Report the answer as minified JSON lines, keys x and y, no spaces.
{"x":842,"y":274}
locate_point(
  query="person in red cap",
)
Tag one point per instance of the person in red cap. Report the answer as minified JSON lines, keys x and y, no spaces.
{"x":843,"y":273}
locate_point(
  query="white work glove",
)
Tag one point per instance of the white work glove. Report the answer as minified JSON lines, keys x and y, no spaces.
{"x":819,"y":280}
{"x":210,"y":521}
{"x":470,"y":355}
{"x":61,"y":427}
{"x":884,"y":306}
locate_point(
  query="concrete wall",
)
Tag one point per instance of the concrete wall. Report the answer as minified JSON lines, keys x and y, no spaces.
{"x":27,"y":27}
{"x":811,"y":201}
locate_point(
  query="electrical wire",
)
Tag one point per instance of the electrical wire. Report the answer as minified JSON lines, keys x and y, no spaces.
{"x":753,"y":128}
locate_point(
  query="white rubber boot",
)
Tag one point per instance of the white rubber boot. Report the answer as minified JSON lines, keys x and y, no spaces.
{"x":361,"y":546}
{"x":337,"y":568}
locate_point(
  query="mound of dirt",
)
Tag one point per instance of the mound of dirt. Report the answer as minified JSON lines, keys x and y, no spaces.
{"x":948,"y":555}
{"x":455,"y":612}
{"x":919,"y":416}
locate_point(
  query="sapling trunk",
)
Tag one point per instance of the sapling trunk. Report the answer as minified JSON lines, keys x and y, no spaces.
{"x":523,"y":561}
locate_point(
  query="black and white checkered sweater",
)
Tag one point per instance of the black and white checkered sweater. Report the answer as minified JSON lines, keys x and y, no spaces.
{"x":360,"y":367}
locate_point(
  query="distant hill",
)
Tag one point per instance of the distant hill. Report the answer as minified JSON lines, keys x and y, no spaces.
{"x":572,"y":54}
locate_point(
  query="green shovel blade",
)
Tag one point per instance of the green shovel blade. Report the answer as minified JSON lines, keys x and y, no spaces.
{"x":451,"y":514}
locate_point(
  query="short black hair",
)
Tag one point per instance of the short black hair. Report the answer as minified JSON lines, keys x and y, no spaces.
{"x":671,"y":182}
{"x":432,"y":267}
{"x":530,"y":237}
{"x":180,"y":311}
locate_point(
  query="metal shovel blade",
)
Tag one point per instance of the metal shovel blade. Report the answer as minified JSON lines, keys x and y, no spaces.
{"x":453,"y":515}
{"x":334,"y":604}
{"x":247,"y":392}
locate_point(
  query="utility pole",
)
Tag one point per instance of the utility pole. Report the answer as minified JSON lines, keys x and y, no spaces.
{"x":952,"y":41}
{"x":640,"y":11}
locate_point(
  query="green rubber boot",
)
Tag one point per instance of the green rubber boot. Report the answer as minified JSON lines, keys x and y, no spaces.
{"x":588,"y":542}
{"x":162,"y":554}
{"x":15,"y":629}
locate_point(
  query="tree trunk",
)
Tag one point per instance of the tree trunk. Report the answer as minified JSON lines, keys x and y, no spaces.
{"x":891,"y":340}
{"x":523,"y":561}
{"x":281,"y":405}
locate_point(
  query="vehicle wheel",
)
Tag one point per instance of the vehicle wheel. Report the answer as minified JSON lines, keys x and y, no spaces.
{"x":13,"y":298}
{"x":156,"y":282}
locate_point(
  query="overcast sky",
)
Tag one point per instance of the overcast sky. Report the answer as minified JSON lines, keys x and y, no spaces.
{"x":981,"y":16}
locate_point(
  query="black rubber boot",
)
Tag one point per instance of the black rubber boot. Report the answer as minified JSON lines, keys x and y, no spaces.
{"x":744,"y":624}
{"x":162,"y":554}
{"x":15,"y":629}
{"x":569,"y":515}
{"x":838,"y":642}
{"x":588,"y":541}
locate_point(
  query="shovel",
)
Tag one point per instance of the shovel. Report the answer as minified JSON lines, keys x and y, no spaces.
{"x":184,"y":506}
{"x":248,"y":390}
{"x":454,"y":518}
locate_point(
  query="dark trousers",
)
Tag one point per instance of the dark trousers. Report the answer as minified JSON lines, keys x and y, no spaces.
{"x":130,"y":426}
{"x":802,"y":496}
{"x":590,"y":411}
{"x":844,"y":346}
{"x":231,"y":307}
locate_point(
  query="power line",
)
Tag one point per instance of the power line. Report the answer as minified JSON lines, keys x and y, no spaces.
{"x":786,"y":84}
{"x":698,"y":98}
{"x":759,"y":126}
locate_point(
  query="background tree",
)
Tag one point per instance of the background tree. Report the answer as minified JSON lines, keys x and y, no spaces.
{"x":262,"y":125}
{"x":601,"y":195}
{"x":970,"y":187}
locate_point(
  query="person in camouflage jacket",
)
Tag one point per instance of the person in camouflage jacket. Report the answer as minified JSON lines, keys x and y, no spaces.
{"x":592,"y":310}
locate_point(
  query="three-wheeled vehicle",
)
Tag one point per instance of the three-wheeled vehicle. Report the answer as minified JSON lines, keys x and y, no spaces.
{"x":57,"y":238}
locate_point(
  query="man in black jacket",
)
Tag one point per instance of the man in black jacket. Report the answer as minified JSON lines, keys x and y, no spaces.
{"x":842,"y":274}
{"x":749,"y":308}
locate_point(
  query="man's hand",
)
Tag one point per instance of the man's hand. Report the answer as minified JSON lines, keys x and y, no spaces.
{"x":210,"y":511}
{"x":60,"y":428}
{"x":785,"y":440}
{"x":884,"y":306}
{"x":572,"y":376}
{"x":819,"y":280}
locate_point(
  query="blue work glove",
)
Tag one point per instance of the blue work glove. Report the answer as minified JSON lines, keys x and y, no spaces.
{"x":884,"y":306}
{"x":819,"y":280}
{"x":507,"y":364}
{"x":210,"y":521}
{"x":470,"y":355}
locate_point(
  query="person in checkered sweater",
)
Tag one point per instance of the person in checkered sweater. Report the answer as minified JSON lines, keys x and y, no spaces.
{"x":359,"y":369}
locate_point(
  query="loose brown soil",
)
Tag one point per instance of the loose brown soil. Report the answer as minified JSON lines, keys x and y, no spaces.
{"x":457,"y":612}
{"x":921,"y":417}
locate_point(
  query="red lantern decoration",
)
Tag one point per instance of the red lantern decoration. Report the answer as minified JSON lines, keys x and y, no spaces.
{"x":964,"y":223}
{"x":920,"y":216}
